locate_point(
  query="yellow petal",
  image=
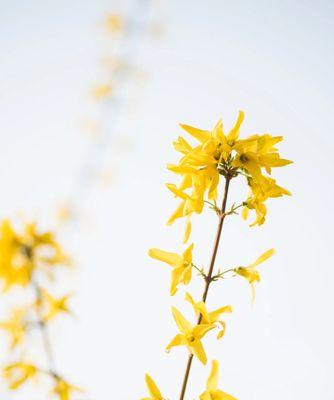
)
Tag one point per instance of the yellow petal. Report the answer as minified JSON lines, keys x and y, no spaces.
{"x":198,"y":350}
{"x":214,"y":315}
{"x":220,"y":395}
{"x":152,"y":387}
{"x":221,"y":333}
{"x":187,"y":230}
{"x":199,"y":134}
{"x":183,"y":324}
{"x":200,"y":330}
{"x":172,"y":259}
{"x":187,"y":254}
{"x":234,"y":132}
{"x":178,"y":213}
{"x":178,"y":340}
{"x":218,"y":133}
{"x":201,"y":307}
{"x":186,"y":276}
{"x":263,"y":257}
{"x":205,"y":396}
{"x":177,"y":192}
{"x":175,"y":279}
{"x":212,"y":382}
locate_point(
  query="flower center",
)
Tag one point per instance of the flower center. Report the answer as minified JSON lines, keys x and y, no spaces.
{"x":243,"y":158}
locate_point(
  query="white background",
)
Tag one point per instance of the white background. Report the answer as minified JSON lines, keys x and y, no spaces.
{"x":274,"y":60}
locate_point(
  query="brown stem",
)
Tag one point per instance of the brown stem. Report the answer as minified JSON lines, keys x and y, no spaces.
{"x":208,"y":280}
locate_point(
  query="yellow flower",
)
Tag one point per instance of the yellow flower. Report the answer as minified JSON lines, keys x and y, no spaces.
{"x":214,"y":147}
{"x":153,"y":389}
{"x":181,"y":264}
{"x":101,"y":92}
{"x":209,"y":317}
{"x":212,"y":392}
{"x":190,"y":336}
{"x":25,"y":250}
{"x":54,"y":306}
{"x":63,"y":389}
{"x":201,"y":167}
{"x":114,"y":23}
{"x":262,"y":190}
{"x":218,"y":154}
{"x":258,"y":152}
{"x":251,"y":273}
{"x":18,"y":373}
{"x":16,"y":326}
{"x":15,"y":266}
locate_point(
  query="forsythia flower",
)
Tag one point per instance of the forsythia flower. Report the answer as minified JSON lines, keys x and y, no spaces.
{"x":114,"y":23}
{"x":63,"y":389}
{"x":250,"y":272}
{"x":15,"y":267}
{"x":262,"y":190}
{"x":18,"y":373}
{"x":101,"y":92}
{"x":209,"y":317}
{"x":54,"y":306}
{"x":181,"y":264}
{"x":24,"y":251}
{"x":224,"y":154}
{"x":153,"y":389}
{"x":258,"y":152}
{"x":212,"y":392}
{"x":190,"y":336}
{"x":15,"y":326}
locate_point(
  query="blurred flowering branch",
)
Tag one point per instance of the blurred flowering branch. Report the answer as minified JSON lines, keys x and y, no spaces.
{"x":125,"y":32}
{"x":32,"y":260}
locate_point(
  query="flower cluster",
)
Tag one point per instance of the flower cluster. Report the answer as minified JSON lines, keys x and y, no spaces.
{"x":31,"y":259}
{"x":216,"y":156}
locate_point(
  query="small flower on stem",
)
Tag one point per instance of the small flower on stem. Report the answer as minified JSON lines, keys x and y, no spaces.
{"x":190,"y":336}
{"x":251,"y":273}
{"x":181,"y":264}
{"x":18,"y":373}
{"x":209,"y":317}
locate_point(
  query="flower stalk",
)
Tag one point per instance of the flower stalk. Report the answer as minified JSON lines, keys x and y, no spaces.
{"x":209,"y":276}
{"x":216,"y":156}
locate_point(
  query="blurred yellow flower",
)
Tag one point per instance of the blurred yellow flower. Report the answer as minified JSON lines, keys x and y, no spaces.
{"x":100,"y":92}
{"x":190,"y":336}
{"x":24,"y":251}
{"x":16,"y":326}
{"x":18,"y":373}
{"x":114,"y":23}
{"x":212,"y":392}
{"x":181,"y":264}
{"x":153,"y":389}
{"x":53,"y":306}
{"x":15,"y":263}
{"x":63,"y":390}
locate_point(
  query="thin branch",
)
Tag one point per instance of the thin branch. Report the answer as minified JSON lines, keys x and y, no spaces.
{"x":44,"y":329}
{"x":222,"y":216}
{"x":201,"y":272}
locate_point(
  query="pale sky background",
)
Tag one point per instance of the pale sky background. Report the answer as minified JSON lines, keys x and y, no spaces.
{"x":274,"y":60}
